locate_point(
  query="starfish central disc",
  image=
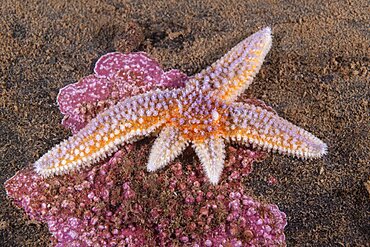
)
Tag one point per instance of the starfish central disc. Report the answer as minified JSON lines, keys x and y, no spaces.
{"x":198,"y":116}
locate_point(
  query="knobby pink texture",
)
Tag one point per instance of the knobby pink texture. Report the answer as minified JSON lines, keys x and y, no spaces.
{"x":118,"y":203}
{"x":117,"y":76}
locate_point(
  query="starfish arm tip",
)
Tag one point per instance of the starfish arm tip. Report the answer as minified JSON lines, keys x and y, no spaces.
{"x":240,"y":65}
{"x":325,"y":151}
{"x":267,"y":30}
{"x":166,"y":148}
{"x":211,"y":154}
{"x":315,"y":151}
{"x":322,"y":149}
{"x":214,"y":178}
{"x":119,"y":124}
{"x":265,"y":130}
{"x":152,"y":167}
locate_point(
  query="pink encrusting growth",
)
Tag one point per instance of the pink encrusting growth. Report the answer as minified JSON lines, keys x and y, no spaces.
{"x":261,"y":224}
{"x":76,"y":209}
{"x":118,"y":204}
{"x":203,"y":113}
{"x":117,"y":77}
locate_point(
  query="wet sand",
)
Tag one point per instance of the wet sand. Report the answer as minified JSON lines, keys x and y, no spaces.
{"x":316,"y":75}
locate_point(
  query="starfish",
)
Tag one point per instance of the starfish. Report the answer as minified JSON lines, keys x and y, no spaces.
{"x":204,"y":113}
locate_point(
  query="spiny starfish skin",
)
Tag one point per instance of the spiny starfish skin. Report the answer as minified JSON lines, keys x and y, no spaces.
{"x":203,"y":113}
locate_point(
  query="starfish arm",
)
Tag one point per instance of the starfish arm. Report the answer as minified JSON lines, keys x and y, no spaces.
{"x":258,"y":127}
{"x":234,"y":72}
{"x":166,"y":148}
{"x":121,"y":123}
{"x":211,"y":153}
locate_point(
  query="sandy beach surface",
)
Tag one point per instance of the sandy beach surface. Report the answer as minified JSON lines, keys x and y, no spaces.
{"x":316,"y":75}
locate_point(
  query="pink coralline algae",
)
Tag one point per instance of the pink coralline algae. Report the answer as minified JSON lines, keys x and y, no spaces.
{"x":118,"y":203}
{"x":117,"y":76}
